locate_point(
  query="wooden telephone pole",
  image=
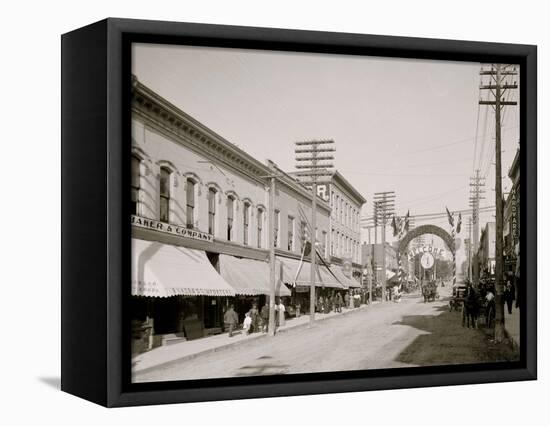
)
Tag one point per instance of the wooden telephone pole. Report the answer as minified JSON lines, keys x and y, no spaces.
{"x":499,"y":83}
{"x":310,"y":169}
{"x":476,"y":183}
{"x":384,"y":203}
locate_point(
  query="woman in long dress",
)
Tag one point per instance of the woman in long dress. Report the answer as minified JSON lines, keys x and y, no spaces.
{"x":281,"y":313}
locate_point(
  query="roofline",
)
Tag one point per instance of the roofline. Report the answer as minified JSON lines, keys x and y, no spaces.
{"x":348,"y":187}
{"x":185,"y":119}
{"x":515,"y":163}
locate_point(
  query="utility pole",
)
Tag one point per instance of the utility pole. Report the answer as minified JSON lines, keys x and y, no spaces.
{"x":470,"y":249}
{"x":374,"y":263}
{"x":272,"y":277}
{"x":384,"y":208}
{"x":310,"y":170}
{"x":476,"y":183}
{"x":499,"y":83}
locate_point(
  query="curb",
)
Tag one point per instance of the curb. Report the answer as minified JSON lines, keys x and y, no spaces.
{"x":230,"y":345}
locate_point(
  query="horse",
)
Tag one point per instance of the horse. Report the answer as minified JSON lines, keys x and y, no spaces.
{"x":470,"y":308}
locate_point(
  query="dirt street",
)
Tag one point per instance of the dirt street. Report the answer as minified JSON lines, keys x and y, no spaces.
{"x":386,"y":335}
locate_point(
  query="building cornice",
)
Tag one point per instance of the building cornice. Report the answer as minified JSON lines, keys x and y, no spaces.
{"x":166,"y":117}
{"x":157,"y":111}
{"x":347,"y":188}
{"x":514,"y":168}
{"x":290,"y":183}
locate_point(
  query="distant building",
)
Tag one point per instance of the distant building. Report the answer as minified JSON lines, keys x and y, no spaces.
{"x":486,"y":252}
{"x":199,"y":223}
{"x":373,"y":254}
{"x":512,"y":219}
{"x":344,"y":238}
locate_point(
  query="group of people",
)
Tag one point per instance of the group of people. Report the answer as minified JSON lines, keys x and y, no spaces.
{"x":255,"y":320}
{"x":335,"y":302}
{"x":486,"y":295}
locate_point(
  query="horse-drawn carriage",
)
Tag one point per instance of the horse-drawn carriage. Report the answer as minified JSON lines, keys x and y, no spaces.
{"x":429,"y":291}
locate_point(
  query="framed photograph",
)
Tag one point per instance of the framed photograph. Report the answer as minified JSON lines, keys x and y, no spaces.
{"x":255,"y":212}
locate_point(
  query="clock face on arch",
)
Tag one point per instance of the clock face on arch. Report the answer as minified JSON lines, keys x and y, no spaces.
{"x":427,"y":260}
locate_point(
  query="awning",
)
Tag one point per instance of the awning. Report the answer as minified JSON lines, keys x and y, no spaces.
{"x":163,"y":270}
{"x":290,"y":268}
{"x":249,"y":277}
{"x":349,"y":282}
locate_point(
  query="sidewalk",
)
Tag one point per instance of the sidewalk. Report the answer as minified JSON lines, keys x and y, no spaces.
{"x":192,"y":348}
{"x":511,"y":324}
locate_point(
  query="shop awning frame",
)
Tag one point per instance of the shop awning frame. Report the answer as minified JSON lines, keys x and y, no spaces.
{"x":250,"y":277}
{"x":164,"y":270}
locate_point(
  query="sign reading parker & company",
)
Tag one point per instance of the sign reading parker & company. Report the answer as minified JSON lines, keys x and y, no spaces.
{"x":168,"y":228}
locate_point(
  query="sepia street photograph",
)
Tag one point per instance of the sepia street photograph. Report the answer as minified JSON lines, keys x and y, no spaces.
{"x":300,"y":213}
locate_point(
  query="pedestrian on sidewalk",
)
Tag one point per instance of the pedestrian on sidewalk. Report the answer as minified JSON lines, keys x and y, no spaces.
{"x":347,"y":299}
{"x":338,"y":302}
{"x":231,"y":320}
{"x":509,"y":292}
{"x":281,"y":313}
{"x":321,"y":304}
{"x":247,"y":323}
{"x":255,"y":316}
{"x":264,"y":314}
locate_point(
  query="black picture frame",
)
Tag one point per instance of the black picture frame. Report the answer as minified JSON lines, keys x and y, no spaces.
{"x":96,"y":84}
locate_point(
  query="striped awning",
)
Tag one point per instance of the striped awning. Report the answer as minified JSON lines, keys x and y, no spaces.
{"x":299,"y":274}
{"x":164,"y":270}
{"x":249,"y":277}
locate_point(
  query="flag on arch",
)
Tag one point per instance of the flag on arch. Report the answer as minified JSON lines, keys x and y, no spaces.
{"x":394,"y":226}
{"x":450,"y":217}
{"x":406,"y":225}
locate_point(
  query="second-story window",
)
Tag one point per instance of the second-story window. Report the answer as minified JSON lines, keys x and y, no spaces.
{"x":165,"y":194}
{"x":260,"y":224}
{"x":230,"y":211}
{"x":290,"y":245}
{"x":211,"y":211}
{"x":190,"y":200}
{"x":303,"y":234}
{"x":136,"y":164}
{"x":246,"y":213}
{"x":277,"y":238}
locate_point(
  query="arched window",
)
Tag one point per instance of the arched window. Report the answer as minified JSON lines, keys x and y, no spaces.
{"x":190,"y":202}
{"x":165,"y":174}
{"x":136,"y":184}
{"x":246,"y":218}
{"x":290,"y":244}
{"x":260,"y":225}
{"x":277,"y":236}
{"x":230,"y":215}
{"x":212,"y":211}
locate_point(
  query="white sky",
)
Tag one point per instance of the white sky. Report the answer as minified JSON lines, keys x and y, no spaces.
{"x":402,"y":125}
